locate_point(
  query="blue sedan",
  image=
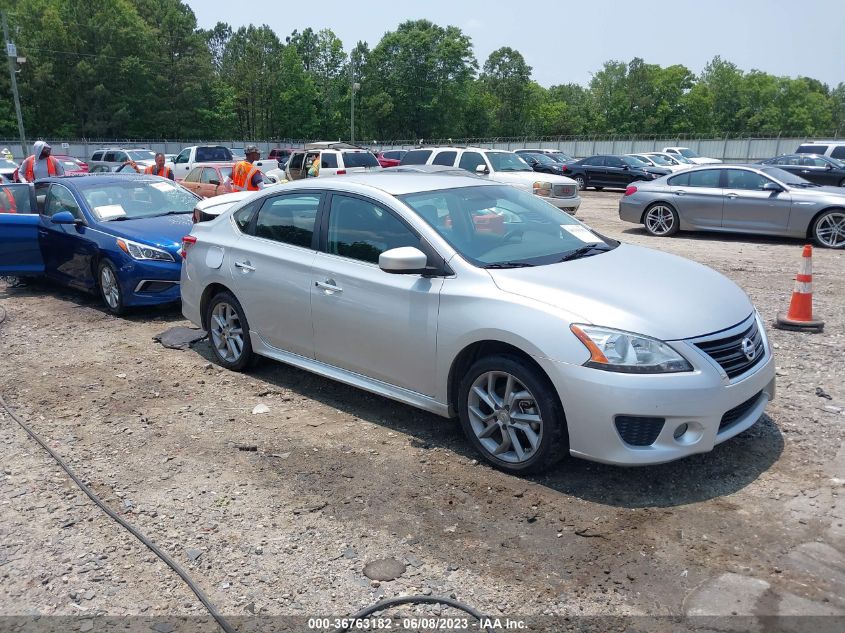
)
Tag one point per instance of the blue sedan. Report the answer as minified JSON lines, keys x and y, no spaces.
{"x":116,"y":235}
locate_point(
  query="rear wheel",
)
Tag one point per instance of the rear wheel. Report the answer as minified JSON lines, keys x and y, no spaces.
{"x":110,"y":289}
{"x":228,"y":332}
{"x":842,"y":183}
{"x":580,"y":182}
{"x":829,"y":229}
{"x":511,"y":415}
{"x":661,"y":220}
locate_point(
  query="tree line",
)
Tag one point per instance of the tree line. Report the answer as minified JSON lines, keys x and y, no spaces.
{"x":144,"y":69}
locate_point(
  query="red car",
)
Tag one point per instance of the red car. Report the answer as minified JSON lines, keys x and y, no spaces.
{"x":390,"y":158}
{"x":73,"y":166}
{"x":209,"y":179}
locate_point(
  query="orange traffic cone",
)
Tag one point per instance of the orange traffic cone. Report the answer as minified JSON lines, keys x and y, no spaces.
{"x":800,"y":313}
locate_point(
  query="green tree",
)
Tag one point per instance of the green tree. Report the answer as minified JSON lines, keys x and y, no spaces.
{"x":507,"y":77}
{"x":296,"y":110}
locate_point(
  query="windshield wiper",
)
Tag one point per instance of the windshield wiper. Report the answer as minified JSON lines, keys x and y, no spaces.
{"x":509,"y":265}
{"x":585,"y":251}
{"x":159,"y":215}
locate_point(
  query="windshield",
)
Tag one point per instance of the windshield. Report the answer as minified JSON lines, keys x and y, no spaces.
{"x":500,"y":226}
{"x":687,"y":152}
{"x":506,"y":161}
{"x":359,"y":159}
{"x":657,"y":159}
{"x":785,"y":177}
{"x":137,"y":198}
{"x":7,"y":164}
{"x":632,"y":161}
{"x":543,"y":159}
{"x":141,"y":154}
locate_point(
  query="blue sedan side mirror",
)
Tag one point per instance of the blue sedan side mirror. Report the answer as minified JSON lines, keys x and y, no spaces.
{"x":63,"y":217}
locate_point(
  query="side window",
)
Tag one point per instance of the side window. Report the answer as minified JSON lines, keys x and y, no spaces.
{"x":208,"y":175}
{"x":110,"y":157}
{"x":445,"y":158}
{"x":595,"y":161}
{"x":363,"y":230}
{"x":15,"y":199}
{"x":328,"y":160}
{"x":613,"y":161}
{"x":289,"y":219}
{"x":704,"y":178}
{"x":61,"y":199}
{"x":97,"y":156}
{"x":193,"y":176}
{"x":296,"y":161}
{"x":838,"y":152}
{"x":121,"y":157}
{"x":748,"y":180}
{"x":811,"y":149}
{"x":681,"y":180}
{"x":471,"y":160}
{"x":814,"y":161}
{"x":183,"y":156}
{"x":41,"y":196}
{"x":416,"y":157}
{"x":243,"y":216}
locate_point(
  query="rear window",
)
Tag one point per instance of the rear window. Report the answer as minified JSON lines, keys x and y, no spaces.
{"x":445,"y":158}
{"x":359,"y":159}
{"x":811,"y":149}
{"x":328,"y":160}
{"x":97,"y":156}
{"x":416,"y":157}
{"x":212,"y":154}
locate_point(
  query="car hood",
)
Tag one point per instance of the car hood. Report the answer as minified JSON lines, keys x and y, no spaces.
{"x":819,"y":192}
{"x":657,"y":171}
{"x":634,"y":289}
{"x":164,"y":232}
{"x":526,"y":179}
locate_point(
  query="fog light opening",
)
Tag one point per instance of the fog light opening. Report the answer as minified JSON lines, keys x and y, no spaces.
{"x":680,"y":431}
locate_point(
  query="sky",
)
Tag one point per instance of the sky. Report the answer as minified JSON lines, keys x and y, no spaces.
{"x":565,"y":42}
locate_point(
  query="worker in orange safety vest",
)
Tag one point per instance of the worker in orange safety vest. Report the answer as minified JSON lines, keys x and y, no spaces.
{"x":245,"y":175}
{"x":40,"y":164}
{"x":159,"y":169}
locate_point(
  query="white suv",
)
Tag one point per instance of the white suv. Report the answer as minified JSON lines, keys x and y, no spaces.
{"x":334,"y":159}
{"x":501,"y":166}
{"x":832,"y":149}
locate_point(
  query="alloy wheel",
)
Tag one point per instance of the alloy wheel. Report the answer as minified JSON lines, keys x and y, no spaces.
{"x":505,"y":417}
{"x":580,"y":182}
{"x":226,"y":332}
{"x":830,"y":230}
{"x":110,"y":287}
{"x":660,"y":220}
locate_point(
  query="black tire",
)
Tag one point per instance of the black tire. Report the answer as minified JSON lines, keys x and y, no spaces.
{"x":110,"y":291}
{"x":842,"y":183}
{"x":553,"y":444}
{"x":671,"y":222}
{"x":580,"y":182}
{"x":234,"y":362}
{"x":824,"y":231}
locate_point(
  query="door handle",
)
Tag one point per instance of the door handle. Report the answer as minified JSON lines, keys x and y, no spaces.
{"x":680,"y":193}
{"x":732,"y":196}
{"x":329,"y":285}
{"x":245,"y":266}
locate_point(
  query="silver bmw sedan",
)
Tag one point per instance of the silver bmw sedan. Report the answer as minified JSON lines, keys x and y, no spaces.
{"x":738,"y":199}
{"x":474,"y":299}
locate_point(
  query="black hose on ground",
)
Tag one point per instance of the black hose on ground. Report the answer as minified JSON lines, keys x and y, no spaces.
{"x":224,"y":624}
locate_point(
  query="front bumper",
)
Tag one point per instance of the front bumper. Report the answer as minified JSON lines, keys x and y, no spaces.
{"x":593,"y":399}
{"x":570,"y":205}
{"x":146,"y":283}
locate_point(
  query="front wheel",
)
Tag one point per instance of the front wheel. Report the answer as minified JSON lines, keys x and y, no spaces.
{"x":580,"y":182}
{"x":228,"y":332}
{"x":661,"y":220}
{"x":511,"y":415}
{"x":842,"y":183}
{"x":829,"y":229}
{"x":110,"y":289}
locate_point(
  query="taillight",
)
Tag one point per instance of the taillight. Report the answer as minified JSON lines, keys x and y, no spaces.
{"x":340,"y":172}
{"x":564,"y":168}
{"x":187,"y":242}
{"x":631,"y":190}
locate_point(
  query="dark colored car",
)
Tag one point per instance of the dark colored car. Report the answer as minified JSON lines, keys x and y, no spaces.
{"x":390,"y":158}
{"x":816,"y":168}
{"x":611,"y":171}
{"x":119,"y":236}
{"x":544,"y":163}
{"x":555,"y":155}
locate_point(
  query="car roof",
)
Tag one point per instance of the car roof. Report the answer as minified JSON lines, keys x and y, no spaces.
{"x":396,"y":182}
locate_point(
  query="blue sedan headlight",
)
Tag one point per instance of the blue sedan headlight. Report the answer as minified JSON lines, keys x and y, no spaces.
{"x":143,"y":251}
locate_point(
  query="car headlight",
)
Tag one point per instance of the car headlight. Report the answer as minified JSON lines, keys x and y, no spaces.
{"x":543,"y":188}
{"x":615,"y":350}
{"x":144,"y":252}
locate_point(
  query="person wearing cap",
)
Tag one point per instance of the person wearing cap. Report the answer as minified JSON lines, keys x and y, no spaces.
{"x":40,"y":164}
{"x":245,"y":175}
{"x":159,"y":169}
{"x":5,"y":153}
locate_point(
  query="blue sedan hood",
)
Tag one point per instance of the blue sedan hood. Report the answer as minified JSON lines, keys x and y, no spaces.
{"x":164,"y":232}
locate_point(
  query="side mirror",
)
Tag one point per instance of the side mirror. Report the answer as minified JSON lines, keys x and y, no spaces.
{"x":214,"y":182}
{"x":828,"y":166}
{"x":481,"y":169}
{"x":771,"y":186}
{"x":64,"y":217}
{"x":406,"y":260}
{"x":626,"y":167}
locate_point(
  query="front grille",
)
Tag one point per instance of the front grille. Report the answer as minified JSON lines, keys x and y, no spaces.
{"x":155,"y":286}
{"x":732,"y":415}
{"x":638,"y":431}
{"x":729,"y":354}
{"x":564,"y":191}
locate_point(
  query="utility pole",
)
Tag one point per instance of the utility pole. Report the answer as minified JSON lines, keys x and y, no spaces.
{"x":353,"y":89}
{"x":12,"y":53}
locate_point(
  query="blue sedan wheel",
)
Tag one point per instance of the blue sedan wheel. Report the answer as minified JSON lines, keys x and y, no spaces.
{"x":109,"y":287}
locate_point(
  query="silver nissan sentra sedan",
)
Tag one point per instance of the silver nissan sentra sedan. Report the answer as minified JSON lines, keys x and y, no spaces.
{"x":738,"y":198}
{"x":471,"y":298}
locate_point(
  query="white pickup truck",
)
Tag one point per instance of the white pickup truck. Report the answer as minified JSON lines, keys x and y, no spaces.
{"x":189,"y":157}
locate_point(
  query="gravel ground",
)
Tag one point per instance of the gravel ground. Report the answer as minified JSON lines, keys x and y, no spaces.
{"x":335,"y":478}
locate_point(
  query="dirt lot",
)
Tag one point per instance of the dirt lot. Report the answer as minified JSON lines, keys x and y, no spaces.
{"x":341,"y":478}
